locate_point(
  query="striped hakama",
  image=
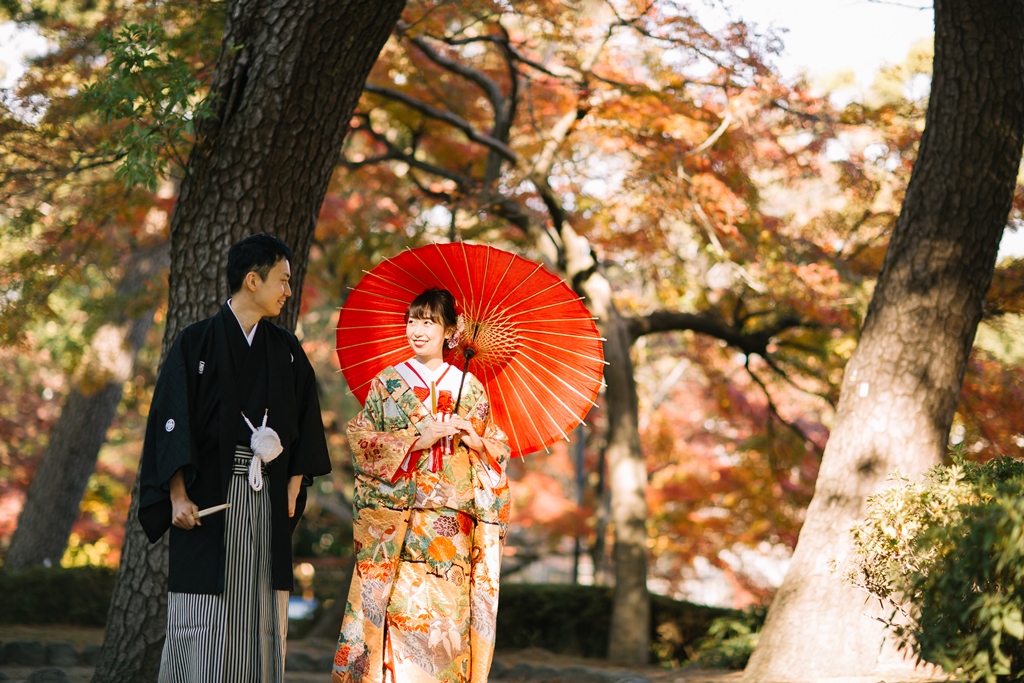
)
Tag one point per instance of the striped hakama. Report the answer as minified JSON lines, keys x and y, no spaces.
{"x":238,"y":636}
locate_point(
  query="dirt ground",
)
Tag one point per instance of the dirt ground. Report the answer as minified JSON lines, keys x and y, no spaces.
{"x":81,"y":637}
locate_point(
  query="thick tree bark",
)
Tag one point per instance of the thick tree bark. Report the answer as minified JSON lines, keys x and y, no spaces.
{"x":900,"y":390}
{"x":53,"y":499}
{"x":287,"y":81}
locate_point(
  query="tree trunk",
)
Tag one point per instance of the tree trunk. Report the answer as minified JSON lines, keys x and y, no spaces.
{"x":900,"y":388}
{"x":287,"y":81}
{"x":629,"y":635}
{"x":53,"y":500}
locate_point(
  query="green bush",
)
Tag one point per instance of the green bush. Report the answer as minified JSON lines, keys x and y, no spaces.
{"x":730,"y":640}
{"x":79,"y":595}
{"x":574,"y":620}
{"x":947,"y":553}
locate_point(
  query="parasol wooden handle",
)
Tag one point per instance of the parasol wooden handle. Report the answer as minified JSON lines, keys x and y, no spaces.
{"x":468,"y":355}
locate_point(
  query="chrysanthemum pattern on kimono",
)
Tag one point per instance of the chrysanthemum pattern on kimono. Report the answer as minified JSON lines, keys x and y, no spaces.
{"x":424,"y":595}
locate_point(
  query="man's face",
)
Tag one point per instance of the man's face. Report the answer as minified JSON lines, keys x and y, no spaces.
{"x":271,"y":293}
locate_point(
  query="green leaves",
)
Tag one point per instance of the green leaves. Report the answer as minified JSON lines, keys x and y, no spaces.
{"x":947,"y":552}
{"x":155,"y":91}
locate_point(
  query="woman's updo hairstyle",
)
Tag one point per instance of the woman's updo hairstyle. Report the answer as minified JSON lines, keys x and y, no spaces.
{"x":434,"y":304}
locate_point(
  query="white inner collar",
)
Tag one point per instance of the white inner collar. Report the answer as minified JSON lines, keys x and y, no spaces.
{"x":252,"y":333}
{"x":425,"y":372}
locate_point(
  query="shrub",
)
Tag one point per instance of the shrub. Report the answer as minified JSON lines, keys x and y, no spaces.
{"x":574,"y":620}
{"x":556,"y":617}
{"x":730,"y":640}
{"x":678,"y":627}
{"x":947,"y":553}
{"x":79,"y":595}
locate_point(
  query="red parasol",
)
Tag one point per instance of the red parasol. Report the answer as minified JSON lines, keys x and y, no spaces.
{"x":530,"y":339}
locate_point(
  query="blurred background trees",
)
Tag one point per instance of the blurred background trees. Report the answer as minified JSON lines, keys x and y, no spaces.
{"x":725,"y":224}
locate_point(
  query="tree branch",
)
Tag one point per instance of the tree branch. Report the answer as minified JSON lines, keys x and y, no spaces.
{"x":446,"y":117}
{"x":393,"y":153}
{"x":780,"y":371}
{"x":481,"y":79}
{"x":774,"y":411}
{"x":750,"y":343}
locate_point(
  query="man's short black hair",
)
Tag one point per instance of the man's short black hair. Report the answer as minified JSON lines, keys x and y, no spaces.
{"x":256,"y":254}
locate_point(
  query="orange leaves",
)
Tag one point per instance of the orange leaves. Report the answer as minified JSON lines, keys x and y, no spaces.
{"x":703,"y":182}
{"x":720,"y":203}
{"x":808,"y":284}
{"x":1006,"y":294}
{"x":990,"y":414}
{"x":544,"y":496}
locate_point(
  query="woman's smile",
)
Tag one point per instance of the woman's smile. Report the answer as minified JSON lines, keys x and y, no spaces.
{"x":426,"y":339}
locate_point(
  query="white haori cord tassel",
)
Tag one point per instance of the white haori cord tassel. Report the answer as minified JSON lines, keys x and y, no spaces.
{"x":266,"y":445}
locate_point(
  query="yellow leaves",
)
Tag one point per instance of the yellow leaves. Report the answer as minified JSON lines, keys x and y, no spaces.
{"x":82,"y":554}
{"x":1013,"y":625}
{"x":837,"y":80}
{"x":891,"y":531}
{"x":919,"y":58}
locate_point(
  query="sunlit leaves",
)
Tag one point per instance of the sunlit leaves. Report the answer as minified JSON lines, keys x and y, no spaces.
{"x":157,"y":96}
{"x":64,"y":206}
{"x":945,"y":554}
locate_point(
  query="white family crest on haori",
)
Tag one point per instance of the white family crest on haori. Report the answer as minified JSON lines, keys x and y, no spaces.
{"x":266,"y":445}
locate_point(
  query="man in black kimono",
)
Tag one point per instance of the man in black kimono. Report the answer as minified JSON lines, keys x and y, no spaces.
{"x":235,"y":419}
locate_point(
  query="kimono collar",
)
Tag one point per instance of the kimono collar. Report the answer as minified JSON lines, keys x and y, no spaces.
{"x":426,"y":373}
{"x":396,"y":387}
{"x":252,"y":332}
{"x":445,"y":377}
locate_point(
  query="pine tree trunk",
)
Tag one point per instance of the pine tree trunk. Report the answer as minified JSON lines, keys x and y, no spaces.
{"x":53,"y":499}
{"x":901,"y":387}
{"x":287,"y":81}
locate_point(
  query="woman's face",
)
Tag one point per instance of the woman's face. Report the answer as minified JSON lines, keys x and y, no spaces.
{"x":426,"y":338}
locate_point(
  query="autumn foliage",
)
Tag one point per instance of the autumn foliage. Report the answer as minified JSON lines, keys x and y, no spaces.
{"x":706,"y":185}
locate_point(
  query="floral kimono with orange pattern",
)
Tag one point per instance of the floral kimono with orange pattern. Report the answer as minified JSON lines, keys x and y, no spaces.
{"x":428,"y":544}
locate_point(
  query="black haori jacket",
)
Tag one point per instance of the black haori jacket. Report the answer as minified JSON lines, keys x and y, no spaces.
{"x":209,"y":378}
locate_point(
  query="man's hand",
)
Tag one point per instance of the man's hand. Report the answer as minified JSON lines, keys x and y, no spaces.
{"x":183,"y":510}
{"x":294,"y":486}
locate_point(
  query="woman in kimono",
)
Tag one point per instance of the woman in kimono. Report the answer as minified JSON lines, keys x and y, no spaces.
{"x":431,"y":507}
